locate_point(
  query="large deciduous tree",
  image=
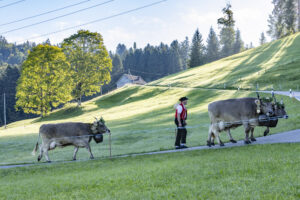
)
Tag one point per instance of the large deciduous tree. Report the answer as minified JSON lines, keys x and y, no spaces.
{"x":90,"y":62}
{"x":45,"y":80}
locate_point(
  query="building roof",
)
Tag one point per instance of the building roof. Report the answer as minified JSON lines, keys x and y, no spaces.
{"x":134,"y":79}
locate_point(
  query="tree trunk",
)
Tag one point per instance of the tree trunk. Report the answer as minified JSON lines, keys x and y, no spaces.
{"x":79,"y":101}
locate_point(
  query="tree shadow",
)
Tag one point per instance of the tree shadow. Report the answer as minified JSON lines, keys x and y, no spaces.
{"x":64,"y":113}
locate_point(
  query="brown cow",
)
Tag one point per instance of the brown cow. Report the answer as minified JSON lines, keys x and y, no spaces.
{"x":232,"y":113}
{"x":72,"y":133}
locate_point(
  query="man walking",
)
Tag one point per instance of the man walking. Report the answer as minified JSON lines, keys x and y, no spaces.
{"x":180,"y":121}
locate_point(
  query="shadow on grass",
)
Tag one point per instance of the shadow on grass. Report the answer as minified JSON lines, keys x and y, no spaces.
{"x":65,"y":113}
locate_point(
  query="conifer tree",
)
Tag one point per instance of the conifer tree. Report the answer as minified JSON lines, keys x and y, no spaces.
{"x":197,"y":50}
{"x":213,"y":46}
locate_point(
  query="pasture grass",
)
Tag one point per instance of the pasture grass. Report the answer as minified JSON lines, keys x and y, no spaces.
{"x":275,"y":64}
{"x":141,"y":120}
{"x":248,"y":172}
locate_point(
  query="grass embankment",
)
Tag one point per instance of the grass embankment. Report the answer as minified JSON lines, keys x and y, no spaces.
{"x":274,"y":64}
{"x":249,"y":172}
{"x":140,"y":118}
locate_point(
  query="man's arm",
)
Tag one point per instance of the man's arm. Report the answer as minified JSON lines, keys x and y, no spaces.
{"x":179,"y":121}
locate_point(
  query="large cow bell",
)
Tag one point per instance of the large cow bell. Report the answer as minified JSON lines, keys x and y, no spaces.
{"x":98,"y":138}
{"x":264,"y":120}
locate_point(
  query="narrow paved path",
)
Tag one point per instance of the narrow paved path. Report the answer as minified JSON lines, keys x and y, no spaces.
{"x":296,"y":95}
{"x":285,"y":137}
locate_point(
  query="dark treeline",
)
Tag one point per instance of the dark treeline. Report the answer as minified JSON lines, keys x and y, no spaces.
{"x":11,"y":57}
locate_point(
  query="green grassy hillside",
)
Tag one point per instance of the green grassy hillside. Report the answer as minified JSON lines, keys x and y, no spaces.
{"x":142,"y":118}
{"x":274,"y":64}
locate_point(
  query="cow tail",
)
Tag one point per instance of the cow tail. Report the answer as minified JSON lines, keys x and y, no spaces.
{"x":36,"y":146}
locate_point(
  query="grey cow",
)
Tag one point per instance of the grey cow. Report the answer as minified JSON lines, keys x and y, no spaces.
{"x":267,"y":121}
{"x":231,"y":113}
{"x":72,"y":133}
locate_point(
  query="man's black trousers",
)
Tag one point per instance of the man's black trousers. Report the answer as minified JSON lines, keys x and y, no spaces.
{"x":181,"y":133}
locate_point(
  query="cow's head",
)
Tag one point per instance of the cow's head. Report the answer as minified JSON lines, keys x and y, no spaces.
{"x":279,"y":109}
{"x":264,"y":106}
{"x":99,"y":128}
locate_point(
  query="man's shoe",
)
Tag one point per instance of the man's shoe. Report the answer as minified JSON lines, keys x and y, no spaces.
{"x":177,"y":147}
{"x":183,"y":146}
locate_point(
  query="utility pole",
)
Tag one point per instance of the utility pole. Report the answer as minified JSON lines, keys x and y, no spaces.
{"x":298,"y":15}
{"x":4,"y":111}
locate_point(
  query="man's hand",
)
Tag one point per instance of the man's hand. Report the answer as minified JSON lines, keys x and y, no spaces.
{"x":179,"y":124}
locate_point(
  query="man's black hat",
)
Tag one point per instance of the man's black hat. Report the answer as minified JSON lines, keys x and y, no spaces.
{"x":183,"y":99}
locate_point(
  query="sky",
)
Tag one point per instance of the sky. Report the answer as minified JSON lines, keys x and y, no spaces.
{"x":163,"y":22}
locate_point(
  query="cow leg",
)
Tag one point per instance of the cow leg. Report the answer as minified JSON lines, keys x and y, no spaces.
{"x":217,"y":135}
{"x":247,"y":130}
{"x":230,"y":136}
{"x":41,"y":153}
{"x":46,"y":154}
{"x":89,"y":149}
{"x":252,"y":135}
{"x":213,"y":140}
{"x":211,"y":137}
{"x":267,"y":131}
{"x":75,"y":152}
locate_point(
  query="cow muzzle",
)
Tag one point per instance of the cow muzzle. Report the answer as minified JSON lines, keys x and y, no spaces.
{"x":285,"y":116}
{"x":270,"y":113}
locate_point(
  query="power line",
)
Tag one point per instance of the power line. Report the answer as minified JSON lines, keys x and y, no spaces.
{"x":45,"y":13}
{"x":10,"y":4}
{"x":71,"y":13}
{"x":97,"y":20}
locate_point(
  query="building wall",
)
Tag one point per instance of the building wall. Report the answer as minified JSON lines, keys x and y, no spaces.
{"x":123,"y":81}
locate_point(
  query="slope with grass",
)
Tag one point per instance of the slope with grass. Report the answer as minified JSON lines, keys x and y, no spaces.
{"x":140,"y":118}
{"x":274,"y":64}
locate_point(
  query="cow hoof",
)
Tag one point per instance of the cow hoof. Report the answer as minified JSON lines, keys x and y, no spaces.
{"x":48,"y":161}
{"x":266,"y":133}
{"x":213,"y":144}
{"x":92,"y":158}
{"x":247,"y":142}
{"x":222,"y":144}
{"x":208,"y":143}
{"x":253,"y":139}
{"x":74,"y":159}
{"x":38,"y":159}
{"x":233,"y":141}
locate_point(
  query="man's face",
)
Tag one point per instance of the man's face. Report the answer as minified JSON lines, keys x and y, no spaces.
{"x":184,"y":102}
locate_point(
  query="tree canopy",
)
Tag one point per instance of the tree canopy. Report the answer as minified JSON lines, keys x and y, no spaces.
{"x":90,"y":62}
{"x":45,"y":80}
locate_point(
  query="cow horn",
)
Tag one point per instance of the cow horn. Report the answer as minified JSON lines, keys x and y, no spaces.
{"x":96,"y":119}
{"x":257,"y":95}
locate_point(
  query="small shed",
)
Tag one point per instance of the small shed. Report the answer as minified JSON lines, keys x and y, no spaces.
{"x":130,"y":79}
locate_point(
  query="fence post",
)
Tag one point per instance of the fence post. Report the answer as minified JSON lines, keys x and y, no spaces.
{"x":109,"y":140}
{"x":291,"y":93}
